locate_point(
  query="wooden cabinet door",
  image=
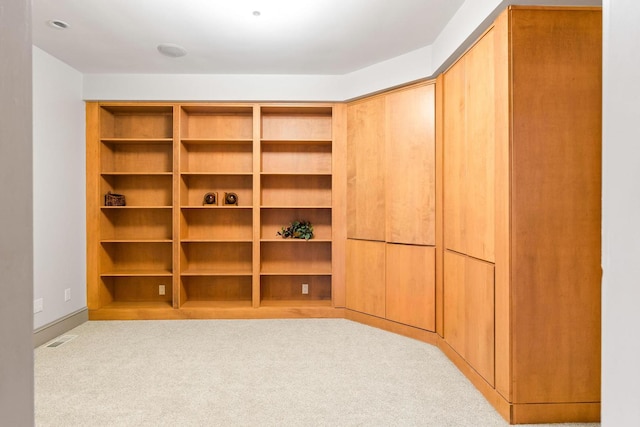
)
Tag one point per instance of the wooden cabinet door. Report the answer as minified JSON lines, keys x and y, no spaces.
{"x":410,"y":285}
{"x":469,"y":311}
{"x":454,"y":162}
{"x":366,"y":170}
{"x":410,"y":166}
{"x":480,"y":155}
{"x":365,"y":277}
{"x":469,"y":152}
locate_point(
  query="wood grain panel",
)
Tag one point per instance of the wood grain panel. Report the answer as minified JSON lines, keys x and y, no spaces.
{"x":469,"y":311}
{"x":152,"y":122}
{"x":469,"y":133}
{"x":556,"y":193}
{"x":571,"y":412}
{"x":439,"y":135}
{"x":293,"y":256}
{"x":216,"y":157}
{"x":285,"y":125}
{"x":410,"y":165}
{"x":365,"y":169}
{"x":410,"y":285}
{"x":339,"y":204}
{"x":216,"y":124}
{"x":96,"y":294}
{"x":365,"y":277}
{"x":296,"y":190}
{"x":296,"y":158}
{"x":479,"y":193}
{"x":217,"y":288}
{"x":502,"y":200}
{"x":289,"y":288}
{"x":454,"y":168}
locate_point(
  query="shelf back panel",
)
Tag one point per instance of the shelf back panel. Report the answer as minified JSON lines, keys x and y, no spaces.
{"x":217,"y":224}
{"x":132,"y":224}
{"x":272,"y":221}
{"x":289,"y":288}
{"x":217,"y":157}
{"x":139,"y":190}
{"x":143,"y":157}
{"x":217,"y":288}
{"x":296,"y":158}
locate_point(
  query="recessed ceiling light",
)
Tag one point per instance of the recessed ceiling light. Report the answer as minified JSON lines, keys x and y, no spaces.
{"x":256,"y":13}
{"x":172,"y":50}
{"x":57,"y":24}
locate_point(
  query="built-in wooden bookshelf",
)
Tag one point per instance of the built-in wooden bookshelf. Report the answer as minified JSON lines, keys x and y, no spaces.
{"x":296,"y":185}
{"x":168,"y":253}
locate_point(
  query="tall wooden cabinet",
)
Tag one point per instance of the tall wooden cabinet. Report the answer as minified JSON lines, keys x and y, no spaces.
{"x":391,"y":206}
{"x":169,"y":253}
{"x":521,"y":182}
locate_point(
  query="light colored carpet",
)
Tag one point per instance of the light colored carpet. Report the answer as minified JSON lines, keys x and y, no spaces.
{"x":307,"y":372}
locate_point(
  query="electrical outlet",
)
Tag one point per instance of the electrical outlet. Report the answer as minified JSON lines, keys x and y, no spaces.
{"x":38,"y":305}
{"x":67,"y":294}
{"x":305,"y":288}
{"x":161,"y":290}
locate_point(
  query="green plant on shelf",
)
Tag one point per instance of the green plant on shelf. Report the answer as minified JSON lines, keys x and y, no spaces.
{"x":297,"y":230}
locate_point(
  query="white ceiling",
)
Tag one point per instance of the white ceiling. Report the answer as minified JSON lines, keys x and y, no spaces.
{"x":224,"y":36}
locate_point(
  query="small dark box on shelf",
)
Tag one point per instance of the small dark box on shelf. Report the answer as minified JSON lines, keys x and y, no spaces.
{"x":112,"y":199}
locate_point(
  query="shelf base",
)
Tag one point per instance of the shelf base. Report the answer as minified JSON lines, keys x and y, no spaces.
{"x":210,"y":310}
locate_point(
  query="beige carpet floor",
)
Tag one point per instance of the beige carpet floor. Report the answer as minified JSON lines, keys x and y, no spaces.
{"x":309,"y":372}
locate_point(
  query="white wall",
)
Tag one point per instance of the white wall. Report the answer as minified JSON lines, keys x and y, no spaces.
{"x":16,"y":243}
{"x":59,"y":201}
{"x":621,"y":215}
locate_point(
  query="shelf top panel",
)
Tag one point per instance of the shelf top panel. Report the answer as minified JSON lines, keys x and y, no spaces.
{"x":131,"y":305}
{"x":135,"y":173}
{"x":320,"y":141}
{"x":297,"y":110}
{"x":137,"y":109}
{"x":218,"y":173}
{"x":313,"y":240}
{"x":294,"y":207}
{"x":295,"y":303}
{"x":136,"y":207}
{"x":216,"y":240}
{"x":215,"y":207}
{"x":136,"y":241}
{"x":137,"y":140}
{"x":228,"y":304}
{"x":295,"y":273}
{"x":215,"y":272}
{"x":245,"y":110}
{"x":295,"y":173}
{"x":220,"y":141}
{"x":328,"y":208}
{"x":138,"y":273}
